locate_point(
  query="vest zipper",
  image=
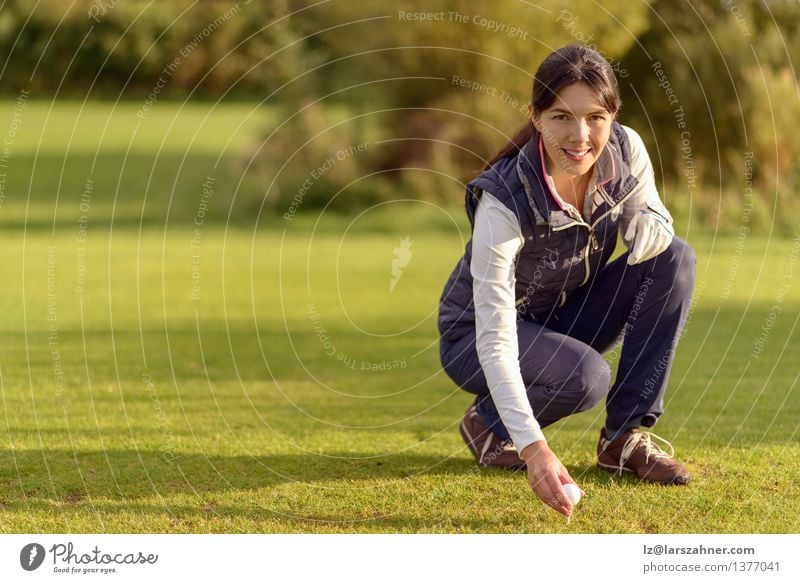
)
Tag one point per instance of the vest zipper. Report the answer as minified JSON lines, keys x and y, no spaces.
{"x":592,"y":240}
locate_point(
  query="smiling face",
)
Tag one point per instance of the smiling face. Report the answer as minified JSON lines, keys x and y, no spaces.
{"x":575,"y":129}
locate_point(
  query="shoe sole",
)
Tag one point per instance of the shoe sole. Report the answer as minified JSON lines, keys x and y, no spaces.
{"x":676,"y":481}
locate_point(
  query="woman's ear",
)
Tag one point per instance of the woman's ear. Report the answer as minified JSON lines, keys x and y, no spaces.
{"x":534,"y":117}
{"x":536,"y":121}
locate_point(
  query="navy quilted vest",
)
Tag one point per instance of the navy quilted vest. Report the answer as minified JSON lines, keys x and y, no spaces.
{"x":560,"y":253}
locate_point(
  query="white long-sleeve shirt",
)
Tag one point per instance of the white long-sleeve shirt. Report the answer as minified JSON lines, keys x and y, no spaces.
{"x":496,"y":240}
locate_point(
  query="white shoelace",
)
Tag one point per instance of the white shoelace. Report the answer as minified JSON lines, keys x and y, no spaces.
{"x":650,"y":448}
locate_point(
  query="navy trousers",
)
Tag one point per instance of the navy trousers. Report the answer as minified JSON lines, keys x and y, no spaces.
{"x":560,"y":354}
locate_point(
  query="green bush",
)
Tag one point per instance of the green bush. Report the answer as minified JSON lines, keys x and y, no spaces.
{"x":121,"y":48}
{"x":713,"y":94}
{"x":441,"y":95}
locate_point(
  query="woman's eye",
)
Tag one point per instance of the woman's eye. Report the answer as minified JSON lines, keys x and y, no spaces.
{"x":560,"y":116}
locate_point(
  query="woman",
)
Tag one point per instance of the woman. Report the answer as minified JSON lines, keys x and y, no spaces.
{"x":534,"y":301}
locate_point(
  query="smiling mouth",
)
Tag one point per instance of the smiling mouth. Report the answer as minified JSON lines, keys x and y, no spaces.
{"x":577,"y":155}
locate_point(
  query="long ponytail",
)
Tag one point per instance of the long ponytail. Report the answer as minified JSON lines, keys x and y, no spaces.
{"x":522,"y":137}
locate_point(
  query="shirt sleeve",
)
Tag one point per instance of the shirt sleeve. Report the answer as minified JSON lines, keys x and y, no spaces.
{"x":496,"y":241}
{"x":645,"y":194}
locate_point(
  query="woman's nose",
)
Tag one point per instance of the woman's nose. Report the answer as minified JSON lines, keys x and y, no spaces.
{"x":579,"y":133}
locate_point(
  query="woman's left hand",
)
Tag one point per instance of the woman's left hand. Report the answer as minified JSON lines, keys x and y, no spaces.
{"x":651,"y":235}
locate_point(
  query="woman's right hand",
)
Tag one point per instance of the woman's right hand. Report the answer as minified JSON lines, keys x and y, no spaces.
{"x":546,"y":474}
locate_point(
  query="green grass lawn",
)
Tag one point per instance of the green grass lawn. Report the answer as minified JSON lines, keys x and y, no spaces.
{"x":231,"y":412}
{"x":149,"y":384}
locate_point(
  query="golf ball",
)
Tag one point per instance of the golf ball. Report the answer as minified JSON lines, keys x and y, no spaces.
{"x":573,"y":493}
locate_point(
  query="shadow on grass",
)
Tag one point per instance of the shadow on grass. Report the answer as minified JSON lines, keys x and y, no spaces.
{"x":114,"y":485}
{"x":71,"y":476}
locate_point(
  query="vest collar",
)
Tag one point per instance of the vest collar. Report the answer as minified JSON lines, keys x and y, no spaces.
{"x":603,"y":171}
{"x":547,"y":205}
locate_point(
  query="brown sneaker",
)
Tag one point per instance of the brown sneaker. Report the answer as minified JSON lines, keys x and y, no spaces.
{"x":488,"y":448}
{"x":634,"y":451}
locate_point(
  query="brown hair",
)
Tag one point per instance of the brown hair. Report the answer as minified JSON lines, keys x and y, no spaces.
{"x":568,"y":65}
